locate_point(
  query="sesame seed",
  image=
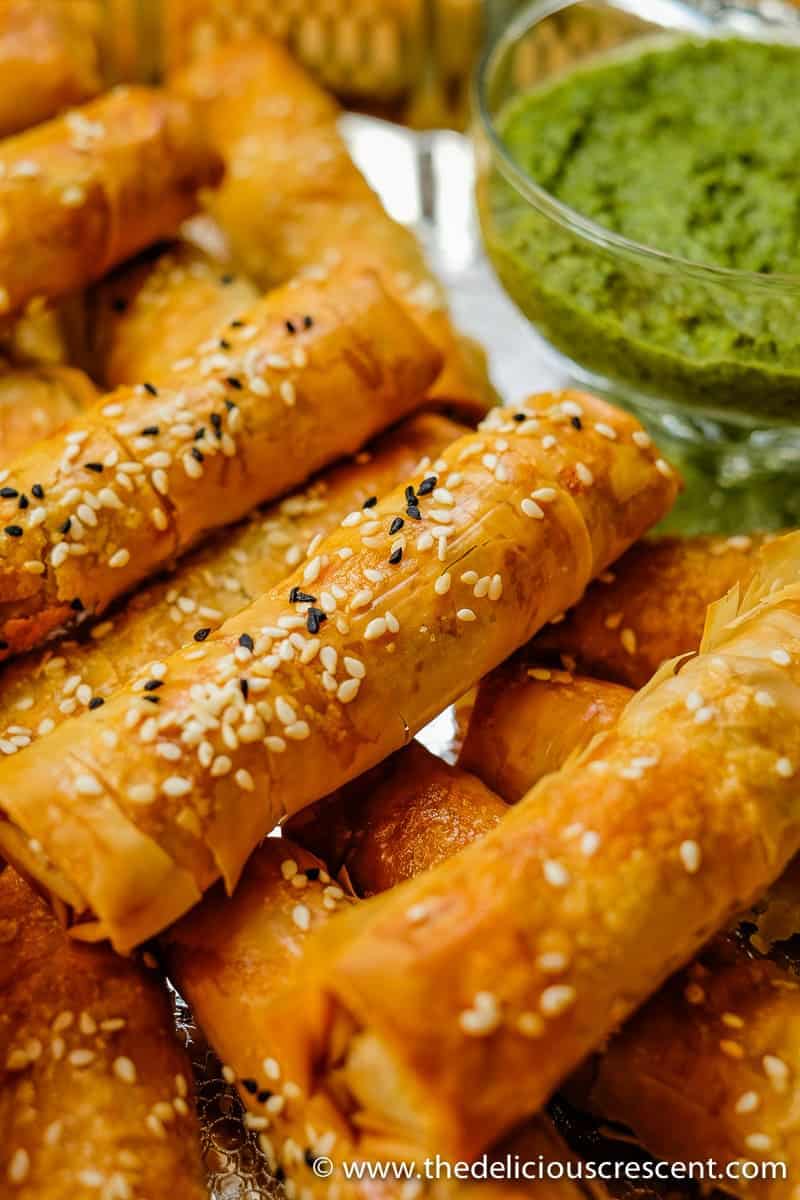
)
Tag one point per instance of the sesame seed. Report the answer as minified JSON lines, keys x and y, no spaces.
{"x":87,"y":785}
{"x":776,"y":1071}
{"x":532,"y":509}
{"x":120,"y":558}
{"x":354,"y":667}
{"x":442,"y":584}
{"x":784,"y":768}
{"x":690,"y":856}
{"x":124,"y":1069}
{"x":301,"y":915}
{"x":556,"y":874}
{"x":641,"y":439}
{"x":19,"y":1166}
{"x":348,"y":691}
{"x":764,"y":699}
{"x":758,"y":1141}
{"x":556,"y":999}
{"x":748,"y":1102}
{"x":176,"y":785}
{"x":375,"y":629}
{"x":781,"y":658}
{"x":466,"y":614}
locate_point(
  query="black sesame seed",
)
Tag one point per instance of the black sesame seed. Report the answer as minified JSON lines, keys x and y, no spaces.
{"x":298,"y":596}
{"x":310,"y":1157}
{"x":233,"y":382}
{"x":9,"y":493}
{"x":224,"y":344}
{"x":244,"y":688}
{"x":199,"y":433}
{"x":290,"y":327}
{"x":307,"y":322}
{"x":250,"y":1085}
{"x":397,"y":523}
{"x":230,"y":405}
{"x":77,"y":604}
{"x":200,"y":635}
{"x":520,"y":417}
{"x":576,"y":423}
{"x":396,"y":555}
{"x":413,"y":512}
{"x":23,"y":501}
{"x":216,"y":421}
{"x":264,"y":1096}
{"x":411,"y":495}
{"x":280,"y":1174}
{"x":237,"y":324}
{"x":119,"y":304}
{"x":65,"y":526}
{"x":197,"y":455}
{"x":151,"y":388}
{"x":38,"y":491}
{"x":150,"y":431}
{"x":94,"y":466}
{"x":226,"y":279}
{"x":370,"y":502}
{"x":152,"y":699}
{"x":427,"y":485}
{"x":311,"y":873}
{"x":96,"y":702}
{"x":153,"y":685}
{"x":314,"y":619}
{"x":14,"y":530}
{"x":246,"y":641}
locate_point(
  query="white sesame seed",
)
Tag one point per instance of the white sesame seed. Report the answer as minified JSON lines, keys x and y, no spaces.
{"x":556,"y":999}
{"x":276,"y":745}
{"x":284,"y":711}
{"x":777,"y":1071}
{"x":298,"y":732}
{"x":555,"y":873}
{"x":691,"y":857}
{"x":784,"y":768}
{"x":606,"y":431}
{"x":120,"y":558}
{"x":585,"y":476}
{"x":301,"y":916}
{"x":176,"y":785}
{"x":764,"y":699}
{"x":19,"y":1165}
{"x":87,"y":785}
{"x":348,"y":691}
{"x":532,"y":509}
{"x":375,"y":629}
{"x":748,"y":1102}
{"x":781,"y":658}
{"x":354,"y":667}
{"x":442,"y":584}
{"x":663,"y":468}
{"x":466,"y":614}
{"x":758,"y":1141}
{"x":124,"y":1069}
{"x":496,"y":587}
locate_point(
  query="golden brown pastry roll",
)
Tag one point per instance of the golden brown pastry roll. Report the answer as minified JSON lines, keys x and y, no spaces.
{"x":526,"y":721}
{"x":35,"y":402}
{"x":211,"y":584}
{"x":481,"y":984}
{"x":232,"y":957}
{"x":149,"y":318}
{"x":82,"y":192}
{"x":95,"y":1090}
{"x":148,"y":470}
{"x":709,"y":1067}
{"x":49,"y":59}
{"x":293,"y":199}
{"x":394,"y":822}
{"x":389,"y":619}
{"x":650,"y":607}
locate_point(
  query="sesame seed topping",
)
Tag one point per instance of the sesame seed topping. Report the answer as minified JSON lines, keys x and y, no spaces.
{"x":691,"y":856}
{"x":556,"y":999}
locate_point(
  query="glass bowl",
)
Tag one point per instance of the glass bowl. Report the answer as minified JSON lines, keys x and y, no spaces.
{"x":731,"y":424}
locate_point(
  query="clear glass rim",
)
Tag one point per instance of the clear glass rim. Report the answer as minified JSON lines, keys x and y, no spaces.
{"x":682,"y":19}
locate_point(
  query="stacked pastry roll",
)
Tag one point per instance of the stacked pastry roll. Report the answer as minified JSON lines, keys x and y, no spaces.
{"x":388,"y":619}
{"x":617,"y":868}
{"x":293,"y":201}
{"x":148,"y":470}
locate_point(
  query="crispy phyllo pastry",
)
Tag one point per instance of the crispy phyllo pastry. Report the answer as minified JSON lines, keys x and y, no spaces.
{"x":148,"y":470}
{"x":439,"y":1015}
{"x":35,"y":402}
{"x":413,"y":599}
{"x":293,"y":199}
{"x":211,"y":584}
{"x":526,"y":721}
{"x":49,"y":59}
{"x":86,"y":190}
{"x":154,"y":318}
{"x":650,"y":607}
{"x":95,"y":1090}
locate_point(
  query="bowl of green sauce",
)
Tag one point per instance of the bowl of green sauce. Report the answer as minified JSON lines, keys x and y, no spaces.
{"x":639,"y":197}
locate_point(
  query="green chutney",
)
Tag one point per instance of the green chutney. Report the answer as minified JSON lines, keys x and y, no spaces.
{"x":691,"y":148}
